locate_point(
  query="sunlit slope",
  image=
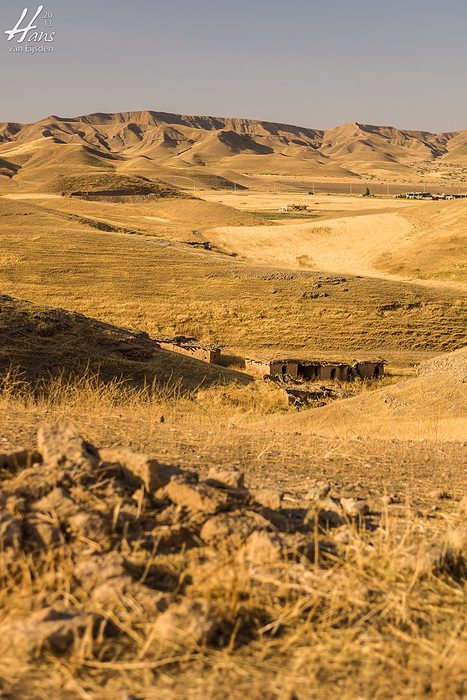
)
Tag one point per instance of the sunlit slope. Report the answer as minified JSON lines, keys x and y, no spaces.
{"x":160,"y":286}
{"x":143,"y":142}
{"x":430,"y":406}
{"x":437,"y":245}
{"x":423,"y":240}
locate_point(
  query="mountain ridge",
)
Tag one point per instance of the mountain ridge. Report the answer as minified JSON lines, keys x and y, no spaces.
{"x":244,"y":145}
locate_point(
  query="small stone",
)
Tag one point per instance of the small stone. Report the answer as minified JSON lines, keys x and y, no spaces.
{"x":226,"y":478}
{"x":57,"y":503}
{"x":188,"y":623}
{"x":268,"y":498}
{"x":171,"y":537}
{"x":49,"y":629}
{"x":195,"y":497}
{"x":440,"y":494}
{"x":89,"y":526}
{"x":99,"y":568}
{"x":264,"y":547}
{"x":61,"y":445}
{"x":146,"y":470}
{"x":319,"y":491}
{"x":354,"y":508}
{"x":232,"y":529}
{"x":329,"y":514}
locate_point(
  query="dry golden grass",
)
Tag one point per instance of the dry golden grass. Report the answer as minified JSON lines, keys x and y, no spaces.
{"x":432,"y":406}
{"x":373,"y":237}
{"x":380,"y":613}
{"x":164,"y":287}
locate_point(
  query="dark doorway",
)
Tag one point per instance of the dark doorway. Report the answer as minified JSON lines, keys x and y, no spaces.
{"x":333,"y":373}
{"x":308,"y":371}
{"x":284,"y":369}
{"x":376,"y":372}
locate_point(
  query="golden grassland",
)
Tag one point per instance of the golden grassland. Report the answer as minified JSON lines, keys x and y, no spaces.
{"x":159,"y":285}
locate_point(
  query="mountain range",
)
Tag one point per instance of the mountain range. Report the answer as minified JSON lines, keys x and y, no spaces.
{"x":149,"y":143}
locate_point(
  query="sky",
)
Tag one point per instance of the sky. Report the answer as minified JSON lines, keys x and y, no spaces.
{"x":315,"y":63}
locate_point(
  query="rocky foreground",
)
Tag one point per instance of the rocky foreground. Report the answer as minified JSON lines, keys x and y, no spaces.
{"x":111,"y":560}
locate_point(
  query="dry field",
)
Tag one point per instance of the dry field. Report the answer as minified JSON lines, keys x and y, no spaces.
{"x":171,"y":529}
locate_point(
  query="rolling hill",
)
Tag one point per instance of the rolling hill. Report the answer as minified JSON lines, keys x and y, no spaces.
{"x":148,"y":142}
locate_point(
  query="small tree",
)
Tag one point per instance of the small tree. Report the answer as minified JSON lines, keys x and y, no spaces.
{"x":367,"y":192}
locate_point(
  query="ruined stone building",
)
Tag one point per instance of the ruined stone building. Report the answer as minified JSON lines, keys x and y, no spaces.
{"x":316,"y":370}
{"x":191,"y":347}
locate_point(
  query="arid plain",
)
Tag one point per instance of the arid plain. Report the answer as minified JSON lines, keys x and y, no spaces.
{"x":260,"y":548}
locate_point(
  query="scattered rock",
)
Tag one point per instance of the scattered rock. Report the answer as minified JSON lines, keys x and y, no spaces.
{"x":61,"y":445}
{"x":90,"y":526}
{"x":187,"y":623}
{"x":440,"y":494}
{"x":232,"y":529}
{"x":354,"y":508}
{"x":195,"y":497}
{"x":144,"y":469}
{"x":57,"y":503}
{"x":49,"y":629}
{"x":268,"y":498}
{"x":263,"y":547}
{"x":318,"y":491}
{"x":226,"y":478}
{"x":98,"y":568}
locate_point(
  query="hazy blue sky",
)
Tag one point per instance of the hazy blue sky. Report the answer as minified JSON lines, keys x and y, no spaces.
{"x":315,"y":63}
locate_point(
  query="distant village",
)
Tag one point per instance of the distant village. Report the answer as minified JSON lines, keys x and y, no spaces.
{"x":430,"y":195}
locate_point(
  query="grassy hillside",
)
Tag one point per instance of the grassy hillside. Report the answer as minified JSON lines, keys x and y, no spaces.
{"x":431,"y":406}
{"x":42,"y":343}
{"x":436,"y":247}
{"x":154,"y":285}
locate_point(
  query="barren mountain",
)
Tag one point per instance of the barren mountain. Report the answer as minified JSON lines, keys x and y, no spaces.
{"x":150,"y":141}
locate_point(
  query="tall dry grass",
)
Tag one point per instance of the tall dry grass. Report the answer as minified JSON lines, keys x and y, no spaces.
{"x":378,"y":617}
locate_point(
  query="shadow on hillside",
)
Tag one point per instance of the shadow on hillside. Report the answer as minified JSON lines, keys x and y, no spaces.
{"x":46,"y":342}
